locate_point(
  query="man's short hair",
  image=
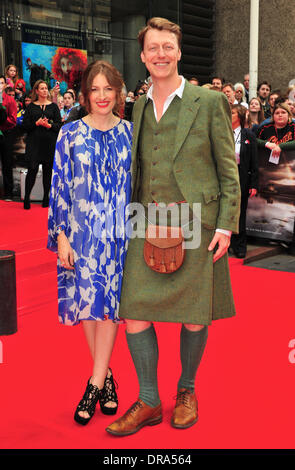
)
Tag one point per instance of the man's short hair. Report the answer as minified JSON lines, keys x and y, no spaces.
{"x":265,"y":82}
{"x":275,"y":92}
{"x":161,"y":24}
{"x":217,"y":78}
{"x":228,"y":84}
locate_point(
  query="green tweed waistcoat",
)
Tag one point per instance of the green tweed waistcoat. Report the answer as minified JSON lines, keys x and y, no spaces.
{"x":156,"y":144}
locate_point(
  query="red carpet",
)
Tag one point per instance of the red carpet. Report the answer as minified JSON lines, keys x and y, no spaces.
{"x":245,"y":384}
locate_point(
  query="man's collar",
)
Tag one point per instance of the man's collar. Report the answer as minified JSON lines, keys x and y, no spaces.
{"x":178,"y":91}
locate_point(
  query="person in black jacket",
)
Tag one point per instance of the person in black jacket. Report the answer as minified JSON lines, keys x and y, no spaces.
{"x":247,"y":160}
{"x":42,"y":123}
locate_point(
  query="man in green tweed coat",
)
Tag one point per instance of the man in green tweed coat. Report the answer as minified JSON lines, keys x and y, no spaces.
{"x":182,"y":151}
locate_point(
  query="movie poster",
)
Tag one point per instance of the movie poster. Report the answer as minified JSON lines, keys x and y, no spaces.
{"x":271,"y":215}
{"x":53,"y":55}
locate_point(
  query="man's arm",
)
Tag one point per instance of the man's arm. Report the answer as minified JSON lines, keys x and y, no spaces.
{"x":222,"y":143}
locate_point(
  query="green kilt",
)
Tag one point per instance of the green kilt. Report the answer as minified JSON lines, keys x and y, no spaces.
{"x":197,"y":293}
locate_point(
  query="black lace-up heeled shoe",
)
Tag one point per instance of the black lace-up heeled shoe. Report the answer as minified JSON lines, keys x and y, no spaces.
{"x":88,"y":403}
{"x":109,"y":394}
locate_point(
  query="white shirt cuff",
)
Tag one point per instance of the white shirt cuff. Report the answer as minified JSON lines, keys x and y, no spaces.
{"x":226,"y":232}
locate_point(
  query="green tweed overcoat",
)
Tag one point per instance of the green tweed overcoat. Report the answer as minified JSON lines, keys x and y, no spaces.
{"x":205,"y":171}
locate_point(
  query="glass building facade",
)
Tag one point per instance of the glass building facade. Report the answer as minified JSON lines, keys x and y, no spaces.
{"x":103,"y":29}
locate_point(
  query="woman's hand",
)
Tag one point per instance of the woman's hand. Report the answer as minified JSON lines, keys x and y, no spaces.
{"x":276,"y":151}
{"x":46,"y":123}
{"x":43,"y":122}
{"x":39,"y":122}
{"x":65,"y":252}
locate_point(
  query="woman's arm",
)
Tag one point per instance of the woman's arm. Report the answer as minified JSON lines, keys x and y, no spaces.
{"x":56,"y":125}
{"x":253,"y":161}
{"x":287,"y":145}
{"x":29,"y":121}
{"x":261,"y":142}
{"x":60,"y":193}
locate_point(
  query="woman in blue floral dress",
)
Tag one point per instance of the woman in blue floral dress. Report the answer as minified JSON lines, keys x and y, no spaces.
{"x":91,"y":187}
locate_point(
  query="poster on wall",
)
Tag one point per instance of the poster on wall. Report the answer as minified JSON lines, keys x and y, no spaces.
{"x":53,"y":55}
{"x":271,"y":215}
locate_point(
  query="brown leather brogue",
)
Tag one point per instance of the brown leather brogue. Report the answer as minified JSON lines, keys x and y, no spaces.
{"x":138,"y":416}
{"x":185,"y":413}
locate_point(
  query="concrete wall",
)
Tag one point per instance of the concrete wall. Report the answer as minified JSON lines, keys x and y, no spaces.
{"x":276,"y":40}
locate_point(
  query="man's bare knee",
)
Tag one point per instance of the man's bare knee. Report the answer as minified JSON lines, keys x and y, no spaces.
{"x":136,"y":326}
{"x":191,"y":327}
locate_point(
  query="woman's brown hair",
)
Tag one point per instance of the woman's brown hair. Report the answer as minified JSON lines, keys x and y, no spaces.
{"x":113,"y":77}
{"x":161,"y":24}
{"x":260,"y":115}
{"x":242,"y":112}
{"x":285,"y":107}
{"x":35,"y":88}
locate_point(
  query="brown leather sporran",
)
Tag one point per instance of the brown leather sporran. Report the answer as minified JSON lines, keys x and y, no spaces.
{"x":164,"y":248}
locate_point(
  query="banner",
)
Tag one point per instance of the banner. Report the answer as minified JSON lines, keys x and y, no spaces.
{"x":46,"y":55}
{"x":271,"y":215}
{"x":36,"y":34}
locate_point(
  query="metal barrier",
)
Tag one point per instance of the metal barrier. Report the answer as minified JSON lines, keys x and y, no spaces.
{"x":271,"y":215}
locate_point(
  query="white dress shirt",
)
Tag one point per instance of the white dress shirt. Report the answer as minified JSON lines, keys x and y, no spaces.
{"x":169,"y":99}
{"x":237,"y":139}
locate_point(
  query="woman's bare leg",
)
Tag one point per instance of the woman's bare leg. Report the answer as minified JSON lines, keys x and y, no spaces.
{"x":100,"y":336}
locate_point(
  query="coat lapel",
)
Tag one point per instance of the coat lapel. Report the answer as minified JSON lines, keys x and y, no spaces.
{"x":137,"y":117}
{"x":190,"y":104}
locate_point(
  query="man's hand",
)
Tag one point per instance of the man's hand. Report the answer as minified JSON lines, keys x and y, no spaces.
{"x":223,"y":242}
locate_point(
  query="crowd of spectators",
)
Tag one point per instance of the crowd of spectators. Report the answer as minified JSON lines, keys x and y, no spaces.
{"x":269,"y":117}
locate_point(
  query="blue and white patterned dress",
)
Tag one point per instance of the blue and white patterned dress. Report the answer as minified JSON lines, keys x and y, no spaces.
{"x":91,"y":186}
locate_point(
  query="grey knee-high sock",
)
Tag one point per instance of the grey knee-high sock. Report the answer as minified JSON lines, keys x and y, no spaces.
{"x":192,"y":345}
{"x":143,"y":347}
